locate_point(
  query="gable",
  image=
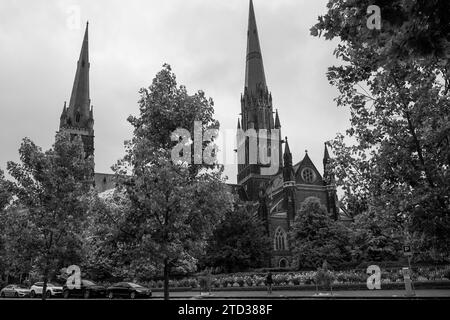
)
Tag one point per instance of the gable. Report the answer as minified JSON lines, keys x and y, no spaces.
{"x":307,"y":173}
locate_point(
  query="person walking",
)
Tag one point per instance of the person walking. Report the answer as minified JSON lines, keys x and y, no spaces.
{"x":269,"y":282}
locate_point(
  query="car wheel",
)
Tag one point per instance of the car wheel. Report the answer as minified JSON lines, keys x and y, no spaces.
{"x":87,"y":294}
{"x":133,"y":295}
{"x":32,"y":294}
{"x":49,"y":294}
{"x":110,"y":295}
{"x":16,"y":295}
{"x":66,"y":294}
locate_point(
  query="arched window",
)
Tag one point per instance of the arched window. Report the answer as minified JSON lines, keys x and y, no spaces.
{"x":77,"y":117}
{"x":280,"y":240}
{"x":283,"y":263}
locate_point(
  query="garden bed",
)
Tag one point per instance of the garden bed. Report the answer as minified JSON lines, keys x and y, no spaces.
{"x":437,"y":284}
{"x":424,"y":277}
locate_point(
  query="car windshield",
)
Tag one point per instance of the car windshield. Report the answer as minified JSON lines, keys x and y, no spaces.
{"x":134,"y":285}
{"x":22,"y":286}
{"x":88,"y":283}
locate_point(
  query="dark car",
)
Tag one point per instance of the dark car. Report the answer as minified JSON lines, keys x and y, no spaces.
{"x":128,"y":290}
{"x":88,"y":289}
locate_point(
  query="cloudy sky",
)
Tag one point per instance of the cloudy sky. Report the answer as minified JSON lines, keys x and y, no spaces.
{"x":203,"y":40}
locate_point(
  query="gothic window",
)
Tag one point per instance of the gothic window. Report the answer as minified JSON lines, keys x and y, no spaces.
{"x":82,"y":63}
{"x":283,"y":263}
{"x":77,"y":117}
{"x":280,"y":239}
{"x":308,"y":175}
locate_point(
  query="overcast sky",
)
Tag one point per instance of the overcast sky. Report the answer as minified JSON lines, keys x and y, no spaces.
{"x":203,"y":40}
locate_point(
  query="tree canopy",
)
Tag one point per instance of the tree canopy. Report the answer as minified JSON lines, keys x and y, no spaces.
{"x":239,"y":242}
{"x":50,"y":188}
{"x":315,"y":237}
{"x":396,"y":154}
{"x":173,"y":206}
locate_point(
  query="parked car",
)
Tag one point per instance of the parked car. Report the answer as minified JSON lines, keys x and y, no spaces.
{"x":15,"y":290}
{"x":88,"y":289}
{"x":128,"y":290}
{"x":52,"y":290}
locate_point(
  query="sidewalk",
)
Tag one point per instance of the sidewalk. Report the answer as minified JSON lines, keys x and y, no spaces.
{"x":291,"y":294}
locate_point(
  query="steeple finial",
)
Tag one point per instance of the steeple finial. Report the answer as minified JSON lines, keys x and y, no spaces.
{"x":254,"y":70}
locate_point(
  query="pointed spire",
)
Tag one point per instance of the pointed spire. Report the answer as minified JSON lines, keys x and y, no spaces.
{"x":327,"y":174}
{"x":288,"y":171}
{"x":254,"y":70}
{"x":79,"y":99}
{"x":277,"y":120}
{"x":239,"y":124}
{"x":287,"y":157}
{"x":63,"y":115}
{"x":326,"y":155}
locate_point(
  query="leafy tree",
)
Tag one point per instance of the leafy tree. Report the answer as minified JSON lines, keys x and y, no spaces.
{"x":316,"y":237}
{"x":375,"y":237}
{"x":396,"y":82}
{"x":173,"y":206}
{"x":239,"y":242}
{"x":51,"y":186}
{"x":5,"y":195}
{"x":17,"y":248}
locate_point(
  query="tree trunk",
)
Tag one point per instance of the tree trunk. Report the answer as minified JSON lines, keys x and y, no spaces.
{"x":44,"y":287}
{"x":166,"y":279}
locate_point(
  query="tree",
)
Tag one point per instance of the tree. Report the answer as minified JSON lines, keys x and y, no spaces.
{"x":17,"y":248}
{"x":396,"y":82}
{"x":173,"y":206}
{"x":376,"y":238}
{"x":239,"y":242}
{"x":51,"y":186}
{"x":5,"y":196}
{"x":316,"y":237}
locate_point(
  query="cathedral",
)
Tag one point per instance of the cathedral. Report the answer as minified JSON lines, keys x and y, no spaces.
{"x":78,"y":117}
{"x":276,"y":198}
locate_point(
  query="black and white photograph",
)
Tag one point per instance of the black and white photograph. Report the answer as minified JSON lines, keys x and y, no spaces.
{"x":230,"y":156}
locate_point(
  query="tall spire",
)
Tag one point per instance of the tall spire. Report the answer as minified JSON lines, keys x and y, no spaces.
{"x":78,"y":117}
{"x":254,"y":70}
{"x":79,"y":103}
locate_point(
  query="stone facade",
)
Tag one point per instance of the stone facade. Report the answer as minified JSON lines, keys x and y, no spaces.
{"x":277,"y":197}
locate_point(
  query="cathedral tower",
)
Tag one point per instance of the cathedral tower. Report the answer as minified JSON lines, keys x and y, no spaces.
{"x":77,"y":118}
{"x":256,"y":113}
